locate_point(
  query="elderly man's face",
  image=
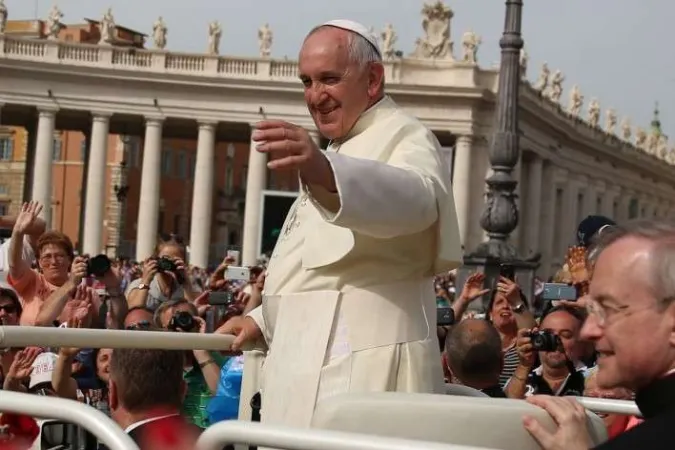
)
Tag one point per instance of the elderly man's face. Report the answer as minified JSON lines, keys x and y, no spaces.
{"x":336,"y":90}
{"x":636,"y":342}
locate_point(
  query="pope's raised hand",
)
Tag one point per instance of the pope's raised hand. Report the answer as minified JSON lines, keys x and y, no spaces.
{"x":290,"y":145}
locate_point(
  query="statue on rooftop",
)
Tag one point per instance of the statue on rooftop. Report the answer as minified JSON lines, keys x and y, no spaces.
{"x":159,"y":32}
{"x":107,"y":28}
{"x":3,"y":16}
{"x":215,"y":33}
{"x":437,"y":44}
{"x":542,"y":82}
{"x":470,"y":43}
{"x":610,"y":121}
{"x":640,"y":138}
{"x":576,"y":101}
{"x":626,"y":131}
{"x":265,"y":39}
{"x":389,"y":38}
{"x":54,"y":23}
{"x":594,"y":113}
{"x":556,"y":89}
{"x":524,"y":59}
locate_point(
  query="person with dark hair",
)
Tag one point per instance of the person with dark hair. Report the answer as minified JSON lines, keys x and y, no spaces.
{"x":474,"y":351}
{"x":164,"y":276}
{"x":561,"y":372}
{"x":146,"y":392}
{"x":592,"y":227}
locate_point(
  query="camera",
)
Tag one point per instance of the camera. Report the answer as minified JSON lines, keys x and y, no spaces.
{"x":545,"y":341}
{"x":164,"y":264}
{"x":182,"y":320}
{"x":98,"y":265}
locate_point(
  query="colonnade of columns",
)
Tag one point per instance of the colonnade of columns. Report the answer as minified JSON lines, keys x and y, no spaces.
{"x":149,"y":202}
{"x":552,"y":201}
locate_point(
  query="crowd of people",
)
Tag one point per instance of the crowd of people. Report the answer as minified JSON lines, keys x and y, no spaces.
{"x":353,"y":270}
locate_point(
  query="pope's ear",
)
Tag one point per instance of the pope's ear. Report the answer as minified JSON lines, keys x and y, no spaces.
{"x":375,"y":79}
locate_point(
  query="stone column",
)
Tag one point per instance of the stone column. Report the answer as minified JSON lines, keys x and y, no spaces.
{"x":148,"y":204}
{"x":532,"y":213}
{"x":625,"y":198}
{"x":202,"y":196}
{"x":549,"y":198}
{"x":96,"y":176}
{"x":42,"y":172}
{"x":590,"y":206}
{"x":569,"y":215}
{"x":256,"y":182}
{"x":607,"y":202}
{"x":461,"y":186}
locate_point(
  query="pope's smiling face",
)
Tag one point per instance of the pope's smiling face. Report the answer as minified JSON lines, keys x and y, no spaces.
{"x":337,"y":90}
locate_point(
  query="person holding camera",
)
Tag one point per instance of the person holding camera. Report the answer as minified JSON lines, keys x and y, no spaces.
{"x":556,"y":344}
{"x":202,"y":368}
{"x":74,"y":300}
{"x":164,"y":276}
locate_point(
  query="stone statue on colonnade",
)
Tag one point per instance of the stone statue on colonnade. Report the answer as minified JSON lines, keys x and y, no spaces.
{"x":3,"y":16}
{"x":437,"y":44}
{"x":107,"y":28}
{"x":626,"y":131}
{"x":542,"y":82}
{"x":159,"y":32}
{"x":524,"y":59}
{"x":594,"y":113}
{"x":576,"y":101}
{"x":215,"y":34}
{"x":640,"y":138}
{"x":389,"y":38}
{"x":54,"y":23}
{"x":556,"y":88}
{"x":610,"y":121}
{"x":470,"y":44}
{"x":265,"y":39}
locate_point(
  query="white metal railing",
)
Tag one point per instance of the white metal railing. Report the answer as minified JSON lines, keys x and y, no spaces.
{"x":278,"y":437}
{"x":15,"y":336}
{"x":71,"y":411}
{"x":609,"y":406}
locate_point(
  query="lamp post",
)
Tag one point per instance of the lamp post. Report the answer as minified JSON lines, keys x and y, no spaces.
{"x":500,"y":215}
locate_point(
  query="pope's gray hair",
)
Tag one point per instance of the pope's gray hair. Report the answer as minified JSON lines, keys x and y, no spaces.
{"x":661,"y":236}
{"x":361,"y":51}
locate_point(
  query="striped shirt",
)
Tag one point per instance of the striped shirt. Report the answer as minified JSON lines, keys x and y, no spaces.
{"x":510,"y":364}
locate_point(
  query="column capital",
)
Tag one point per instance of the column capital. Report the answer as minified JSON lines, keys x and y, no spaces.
{"x":101,"y":115}
{"x":465,"y":139}
{"x":154,"y":120}
{"x":47,"y":111}
{"x":207,"y":124}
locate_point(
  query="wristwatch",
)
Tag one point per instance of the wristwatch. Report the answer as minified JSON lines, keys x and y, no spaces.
{"x":143,"y":287}
{"x":518,"y":309}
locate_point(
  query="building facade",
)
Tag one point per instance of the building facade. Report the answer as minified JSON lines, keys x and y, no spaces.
{"x":181,"y":156}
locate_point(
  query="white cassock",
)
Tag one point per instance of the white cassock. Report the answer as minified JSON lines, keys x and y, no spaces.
{"x":349,"y":304}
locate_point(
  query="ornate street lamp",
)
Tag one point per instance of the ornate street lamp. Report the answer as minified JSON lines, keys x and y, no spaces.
{"x":500,"y":216}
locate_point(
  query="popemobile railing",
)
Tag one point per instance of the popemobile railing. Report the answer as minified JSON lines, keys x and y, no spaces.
{"x":278,"y":437}
{"x":216,"y":436}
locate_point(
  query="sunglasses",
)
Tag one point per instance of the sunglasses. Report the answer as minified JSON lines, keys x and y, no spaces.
{"x":9,"y":309}
{"x":139,"y":326}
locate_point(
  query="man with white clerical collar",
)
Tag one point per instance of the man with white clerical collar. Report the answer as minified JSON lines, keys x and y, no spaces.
{"x":349,"y":304}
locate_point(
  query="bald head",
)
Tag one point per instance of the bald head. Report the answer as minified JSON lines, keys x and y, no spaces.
{"x":474,"y":351}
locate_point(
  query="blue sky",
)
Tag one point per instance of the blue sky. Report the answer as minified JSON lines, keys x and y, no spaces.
{"x":613,"y":49}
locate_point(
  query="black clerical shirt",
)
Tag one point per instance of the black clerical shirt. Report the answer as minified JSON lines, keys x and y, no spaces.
{"x":657,"y":405}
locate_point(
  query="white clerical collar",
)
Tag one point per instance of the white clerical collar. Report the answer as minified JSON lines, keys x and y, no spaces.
{"x":367,"y":117}
{"x":135,"y":425}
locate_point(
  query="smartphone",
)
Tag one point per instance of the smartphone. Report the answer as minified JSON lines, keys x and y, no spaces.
{"x":445,"y":316}
{"x":234,"y":254}
{"x":234,"y":273}
{"x":508,"y":271}
{"x":558,"y":291}
{"x":220,"y":298}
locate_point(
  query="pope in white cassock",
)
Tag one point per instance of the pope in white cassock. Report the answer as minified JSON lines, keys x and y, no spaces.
{"x":349,"y":304}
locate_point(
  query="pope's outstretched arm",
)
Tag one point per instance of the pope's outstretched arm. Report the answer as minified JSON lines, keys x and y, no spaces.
{"x":386,"y":199}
